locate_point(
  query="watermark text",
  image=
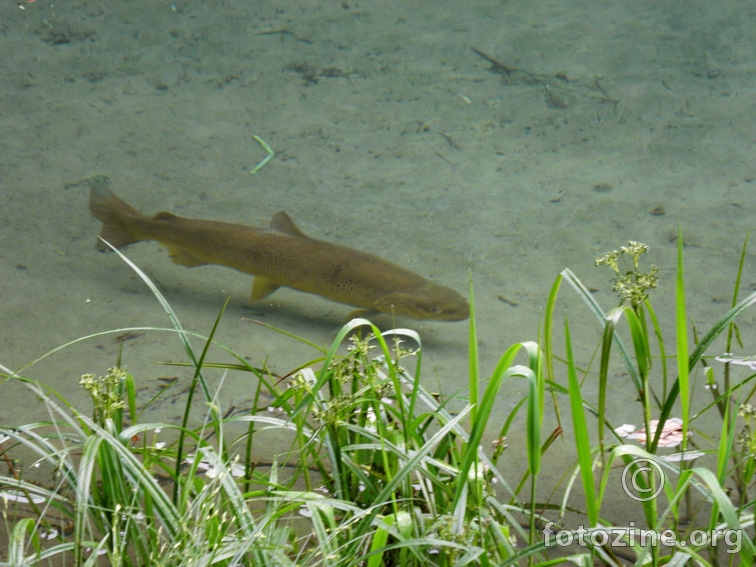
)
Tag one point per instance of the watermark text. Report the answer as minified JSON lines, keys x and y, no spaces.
{"x":632,"y":536}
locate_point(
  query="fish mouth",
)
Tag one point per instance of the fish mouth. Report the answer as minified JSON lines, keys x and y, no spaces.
{"x":456,"y":313}
{"x":459,"y":314}
{"x":430,"y":303}
{"x":418,"y":306}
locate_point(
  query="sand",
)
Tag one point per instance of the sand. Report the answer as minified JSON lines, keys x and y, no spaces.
{"x":589,"y":124}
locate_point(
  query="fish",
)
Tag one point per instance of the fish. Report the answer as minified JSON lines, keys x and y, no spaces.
{"x":279,"y":256}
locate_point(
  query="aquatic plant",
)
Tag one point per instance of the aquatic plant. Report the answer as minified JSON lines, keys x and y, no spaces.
{"x":381,"y":471}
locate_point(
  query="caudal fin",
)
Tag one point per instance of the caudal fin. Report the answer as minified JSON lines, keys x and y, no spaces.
{"x":118,"y":218}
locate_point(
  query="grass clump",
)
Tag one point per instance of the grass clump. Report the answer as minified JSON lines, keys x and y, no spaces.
{"x":373,"y":469}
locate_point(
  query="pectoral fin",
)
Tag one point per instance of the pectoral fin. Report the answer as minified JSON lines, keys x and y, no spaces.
{"x":180,"y":256}
{"x":262,"y":288}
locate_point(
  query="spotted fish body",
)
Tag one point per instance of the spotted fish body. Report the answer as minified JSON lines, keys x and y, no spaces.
{"x":280,"y":256}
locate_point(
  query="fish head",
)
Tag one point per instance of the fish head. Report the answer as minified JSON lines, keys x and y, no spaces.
{"x":429,"y":301}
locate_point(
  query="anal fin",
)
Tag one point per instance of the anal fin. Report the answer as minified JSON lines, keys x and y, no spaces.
{"x":262,"y":288}
{"x":181,"y":256}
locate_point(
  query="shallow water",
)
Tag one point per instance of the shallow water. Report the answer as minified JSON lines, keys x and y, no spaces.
{"x":602,"y":122}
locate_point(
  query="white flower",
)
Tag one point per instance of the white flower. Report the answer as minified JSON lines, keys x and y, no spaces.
{"x":625,"y":430}
{"x":305,"y":511}
{"x":686,"y":456}
{"x":748,"y":361}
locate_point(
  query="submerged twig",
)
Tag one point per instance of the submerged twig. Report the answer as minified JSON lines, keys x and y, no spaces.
{"x":551,"y":83}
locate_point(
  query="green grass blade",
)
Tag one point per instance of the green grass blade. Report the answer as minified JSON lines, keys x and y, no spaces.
{"x":380,"y":537}
{"x":504,"y":369}
{"x":698,"y":353}
{"x":83,"y":502}
{"x":214,"y":414}
{"x":718,"y":327}
{"x":324,"y":375}
{"x":607,"y":340}
{"x":681,"y":328}
{"x":728,"y":512}
{"x":17,"y":542}
{"x":660,"y":344}
{"x":419,"y":455}
{"x":183,"y":335}
{"x":587,"y":298}
{"x":548,"y":341}
{"x":287,"y":334}
{"x":738,"y":279}
{"x":473,"y":369}
{"x":159,"y":296}
{"x":140,"y":478}
{"x":580,"y":430}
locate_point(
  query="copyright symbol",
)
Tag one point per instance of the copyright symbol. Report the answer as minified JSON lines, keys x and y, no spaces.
{"x":642,"y":479}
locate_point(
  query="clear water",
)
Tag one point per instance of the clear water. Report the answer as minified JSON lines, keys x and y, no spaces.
{"x":618,"y":121}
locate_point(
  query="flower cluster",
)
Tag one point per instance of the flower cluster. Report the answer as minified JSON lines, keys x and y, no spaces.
{"x":747,"y":435}
{"x":634,"y":284}
{"x":106,"y":392}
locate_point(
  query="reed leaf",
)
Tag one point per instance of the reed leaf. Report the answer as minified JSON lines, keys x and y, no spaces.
{"x":580,"y":431}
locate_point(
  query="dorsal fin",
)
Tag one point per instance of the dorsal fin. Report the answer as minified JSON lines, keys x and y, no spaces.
{"x":282,"y":224}
{"x":163,"y":215}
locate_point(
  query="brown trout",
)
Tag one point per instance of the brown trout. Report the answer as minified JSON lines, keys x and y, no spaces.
{"x":280,"y":255}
